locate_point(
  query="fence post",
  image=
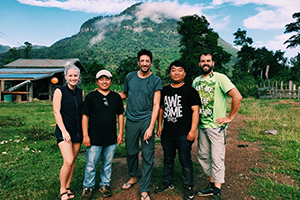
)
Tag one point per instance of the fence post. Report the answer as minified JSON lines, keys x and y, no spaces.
{"x":290,"y":88}
{"x":275,"y":90}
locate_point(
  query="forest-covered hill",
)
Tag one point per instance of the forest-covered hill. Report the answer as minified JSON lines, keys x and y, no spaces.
{"x":111,"y":39}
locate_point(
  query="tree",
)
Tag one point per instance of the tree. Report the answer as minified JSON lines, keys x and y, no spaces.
{"x":294,"y":40}
{"x":295,"y":69}
{"x":196,"y":38}
{"x":28,"y":47}
{"x":127,"y":65}
{"x":92,"y":68}
{"x":246,"y":55}
{"x":241,"y":39}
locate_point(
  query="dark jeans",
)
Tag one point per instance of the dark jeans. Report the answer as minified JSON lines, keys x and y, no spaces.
{"x":184,"y":147}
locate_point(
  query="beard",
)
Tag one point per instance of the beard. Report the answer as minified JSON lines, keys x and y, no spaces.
{"x":145,"y":71}
{"x":205,"y":72}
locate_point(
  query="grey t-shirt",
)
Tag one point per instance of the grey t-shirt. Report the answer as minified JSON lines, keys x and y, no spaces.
{"x":140,"y":93}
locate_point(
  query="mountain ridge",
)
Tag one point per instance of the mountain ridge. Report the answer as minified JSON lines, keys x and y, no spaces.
{"x":111,"y":39}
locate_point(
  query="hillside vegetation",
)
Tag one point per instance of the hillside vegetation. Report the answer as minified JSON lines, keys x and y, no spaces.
{"x":111,"y":39}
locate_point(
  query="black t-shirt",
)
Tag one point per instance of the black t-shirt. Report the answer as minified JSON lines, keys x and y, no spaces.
{"x":102,"y":117}
{"x":177,"y":103}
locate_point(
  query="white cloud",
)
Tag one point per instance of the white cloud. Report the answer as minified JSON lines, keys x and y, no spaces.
{"x":155,"y":11}
{"x":274,"y":14}
{"x":89,"y":6}
{"x":166,"y":9}
{"x":268,"y":20}
{"x":104,"y":24}
{"x":277,"y":43}
{"x":219,"y":22}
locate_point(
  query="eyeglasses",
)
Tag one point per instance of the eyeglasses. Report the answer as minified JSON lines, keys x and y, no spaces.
{"x":105,"y":102}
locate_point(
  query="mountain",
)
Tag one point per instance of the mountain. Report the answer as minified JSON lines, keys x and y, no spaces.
{"x":4,"y":49}
{"x":111,"y":39}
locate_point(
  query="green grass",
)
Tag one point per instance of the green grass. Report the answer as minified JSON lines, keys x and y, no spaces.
{"x":30,"y":159}
{"x":281,"y":151}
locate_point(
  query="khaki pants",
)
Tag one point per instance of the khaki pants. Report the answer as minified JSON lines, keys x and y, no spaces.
{"x":211,"y":152}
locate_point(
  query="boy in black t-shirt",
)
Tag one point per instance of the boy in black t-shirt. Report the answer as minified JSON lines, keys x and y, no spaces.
{"x":180,"y":112}
{"x":99,"y":133}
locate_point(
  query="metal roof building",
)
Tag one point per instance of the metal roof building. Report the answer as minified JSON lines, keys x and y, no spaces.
{"x":33,"y":73}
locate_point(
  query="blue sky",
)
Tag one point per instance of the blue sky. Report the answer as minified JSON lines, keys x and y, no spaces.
{"x":43,"y":22}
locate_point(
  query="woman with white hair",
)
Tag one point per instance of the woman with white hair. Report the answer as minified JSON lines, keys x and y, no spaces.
{"x":67,"y":104}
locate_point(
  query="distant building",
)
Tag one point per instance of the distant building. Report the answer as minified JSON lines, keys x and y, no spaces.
{"x":31,"y":78}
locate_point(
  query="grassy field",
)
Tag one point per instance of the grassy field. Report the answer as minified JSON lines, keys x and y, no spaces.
{"x":281,"y":151}
{"x":30,"y":159}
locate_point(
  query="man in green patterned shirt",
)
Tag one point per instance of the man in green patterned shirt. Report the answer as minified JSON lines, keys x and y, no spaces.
{"x":213,"y":89}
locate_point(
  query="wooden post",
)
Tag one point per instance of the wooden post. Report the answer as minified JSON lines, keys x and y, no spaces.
{"x":31,"y":92}
{"x":290,"y":88}
{"x":275,"y":91}
{"x":294,"y":91}
{"x":50,"y":90}
{"x":2,"y":88}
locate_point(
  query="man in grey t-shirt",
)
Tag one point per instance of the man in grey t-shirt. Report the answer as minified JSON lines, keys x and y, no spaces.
{"x":143,"y":90}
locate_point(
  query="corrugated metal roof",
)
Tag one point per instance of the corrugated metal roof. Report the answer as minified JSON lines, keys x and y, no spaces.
{"x":45,"y":63}
{"x":30,"y":70}
{"x":35,"y":69}
{"x":24,"y":76}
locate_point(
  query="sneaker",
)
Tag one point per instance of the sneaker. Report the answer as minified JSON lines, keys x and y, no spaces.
{"x":164,"y":187}
{"x":86,"y":194}
{"x":207,"y":191}
{"x":188,"y":193}
{"x":217,"y":196}
{"x":106,"y":191}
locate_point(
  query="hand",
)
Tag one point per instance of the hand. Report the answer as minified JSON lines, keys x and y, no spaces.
{"x":158,"y":131}
{"x":223,"y":120}
{"x":191,"y":136}
{"x":66,"y":137}
{"x":120,"y":139}
{"x":86,"y":141}
{"x":148,"y":134}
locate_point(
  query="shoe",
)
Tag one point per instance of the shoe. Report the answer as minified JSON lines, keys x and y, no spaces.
{"x":86,"y":194}
{"x":164,"y":187}
{"x":217,"y":197}
{"x":188,"y":193}
{"x":106,"y":191}
{"x":207,"y":191}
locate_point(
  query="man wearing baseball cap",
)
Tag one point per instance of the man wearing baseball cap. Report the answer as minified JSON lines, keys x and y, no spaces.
{"x":99,"y":133}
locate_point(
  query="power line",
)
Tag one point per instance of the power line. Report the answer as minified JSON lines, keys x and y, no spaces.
{"x":9,"y":39}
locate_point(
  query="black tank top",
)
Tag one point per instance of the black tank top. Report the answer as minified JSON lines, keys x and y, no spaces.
{"x":71,"y":105}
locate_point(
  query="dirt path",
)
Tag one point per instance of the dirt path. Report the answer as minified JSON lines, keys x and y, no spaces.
{"x":239,"y":162}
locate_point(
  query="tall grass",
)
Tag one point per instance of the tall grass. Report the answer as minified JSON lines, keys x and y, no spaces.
{"x":281,"y":150}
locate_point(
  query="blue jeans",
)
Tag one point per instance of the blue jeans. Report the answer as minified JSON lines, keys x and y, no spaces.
{"x":92,"y":156}
{"x":184,"y":147}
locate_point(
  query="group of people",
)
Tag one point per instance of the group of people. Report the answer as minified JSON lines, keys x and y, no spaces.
{"x":181,"y":109}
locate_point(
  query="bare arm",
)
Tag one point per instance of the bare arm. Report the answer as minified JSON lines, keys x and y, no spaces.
{"x":235,"y":105}
{"x":58,"y":118}
{"x":121,"y":128}
{"x":86,"y":139}
{"x":123,"y":95}
{"x":155,"y":110}
{"x":160,"y":117}
{"x":195,"y":119}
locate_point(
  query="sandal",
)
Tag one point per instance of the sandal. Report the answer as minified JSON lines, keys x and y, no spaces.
{"x":145,"y":197}
{"x":127,"y":185}
{"x":62,"y":194}
{"x":70,"y":193}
